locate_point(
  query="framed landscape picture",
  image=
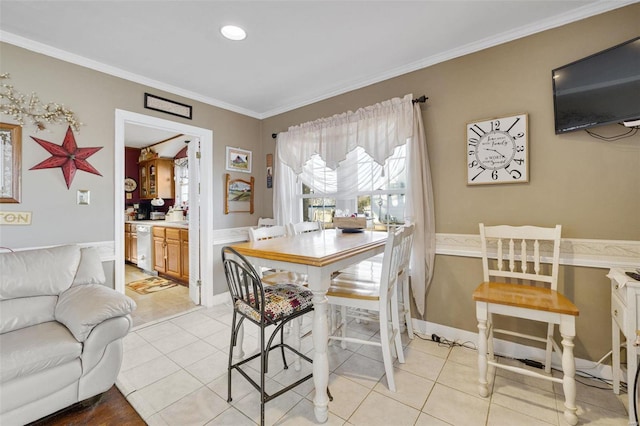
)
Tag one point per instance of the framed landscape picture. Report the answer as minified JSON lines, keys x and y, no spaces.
{"x":238,"y":196}
{"x":238,"y":160}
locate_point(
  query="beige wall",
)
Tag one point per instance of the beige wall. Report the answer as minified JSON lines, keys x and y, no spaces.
{"x":94,"y":97}
{"x":589,"y":186}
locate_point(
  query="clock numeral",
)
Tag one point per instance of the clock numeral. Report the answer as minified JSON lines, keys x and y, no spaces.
{"x":476,"y":131}
{"x":520,"y":161}
{"x":473,"y":164}
{"x":495,"y":125}
{"x":519,"y":135}
{"x":515,"y":174}
{"x":473,"y":141}
{"x":494,"y":175}
{"x":514,"y":123}
{"x":482,"y":169}
{"x":519,"y":148}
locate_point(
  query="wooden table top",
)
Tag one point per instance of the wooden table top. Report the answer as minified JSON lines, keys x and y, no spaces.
{"x":314,"y":248}
{"x":525,"y":296}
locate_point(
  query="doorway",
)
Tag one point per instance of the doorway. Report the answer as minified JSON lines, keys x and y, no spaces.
{"x":200,"y":211}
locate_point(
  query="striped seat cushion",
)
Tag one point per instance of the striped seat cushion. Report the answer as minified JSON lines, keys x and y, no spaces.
{"x":281,"y":301}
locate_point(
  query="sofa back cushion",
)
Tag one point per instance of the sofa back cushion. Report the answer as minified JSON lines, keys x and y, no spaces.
{"x":23,"y":312}
{"x":40,"y":272}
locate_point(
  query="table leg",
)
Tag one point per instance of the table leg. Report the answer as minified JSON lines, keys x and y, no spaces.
{"x":320,"y":358}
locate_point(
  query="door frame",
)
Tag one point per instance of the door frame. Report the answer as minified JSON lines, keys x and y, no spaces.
{"x":205,"y":225}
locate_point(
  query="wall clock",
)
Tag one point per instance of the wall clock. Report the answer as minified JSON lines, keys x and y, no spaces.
{"x":130,"y":184}
{"x":497,"y":150}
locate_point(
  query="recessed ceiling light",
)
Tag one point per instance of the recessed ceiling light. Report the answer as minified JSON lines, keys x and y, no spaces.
{"x":233,"y":33}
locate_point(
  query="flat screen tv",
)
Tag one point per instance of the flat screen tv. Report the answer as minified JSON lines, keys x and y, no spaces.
{"x":600,"y":89}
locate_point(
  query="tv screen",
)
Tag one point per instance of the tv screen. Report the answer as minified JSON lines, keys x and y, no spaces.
{"x":600,"y":89}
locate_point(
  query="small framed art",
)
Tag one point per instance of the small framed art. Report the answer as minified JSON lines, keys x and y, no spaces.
{"x":238,"y":160}
{"x":238,"y":195}
{"x":157,"y":103}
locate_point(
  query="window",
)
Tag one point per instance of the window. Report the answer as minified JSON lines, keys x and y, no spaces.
{"x":181,"y":174}
{"x":358,"y":185}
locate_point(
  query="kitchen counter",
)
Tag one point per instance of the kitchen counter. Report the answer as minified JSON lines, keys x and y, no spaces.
{"x":167,"y":224}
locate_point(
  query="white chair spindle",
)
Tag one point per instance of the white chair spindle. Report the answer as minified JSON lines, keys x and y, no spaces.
{"x":536,"y":256}
{"x":523,"y":255}
{"x":512,"y":256}
{"x":500,"y":254}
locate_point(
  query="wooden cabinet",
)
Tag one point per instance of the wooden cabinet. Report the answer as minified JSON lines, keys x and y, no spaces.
{"x":130,"y":243}
{"x":156,"y":178}
{"x":184,"y":254}
{"x":171,"y":252}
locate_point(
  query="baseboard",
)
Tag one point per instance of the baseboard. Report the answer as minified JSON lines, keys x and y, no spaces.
{"x":512,"y":350}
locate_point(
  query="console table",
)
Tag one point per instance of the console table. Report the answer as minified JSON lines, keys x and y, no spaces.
{"x":625,"y":317}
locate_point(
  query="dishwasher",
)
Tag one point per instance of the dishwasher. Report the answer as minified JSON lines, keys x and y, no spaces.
{"x":145,"y":244}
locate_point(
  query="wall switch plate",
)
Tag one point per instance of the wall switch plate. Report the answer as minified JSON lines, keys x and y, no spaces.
{"x":83,"y":197}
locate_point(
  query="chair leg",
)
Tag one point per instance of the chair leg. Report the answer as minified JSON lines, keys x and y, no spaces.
{"x":395,"y":327}
{"x":489,"y":334}
{"x":406,"y":306}
{"x":343,"y":320}
{"x":547,"y":361}
{"x":231,"y":351}
{"x":385,"y":340}
{"x":263,"y":372}
{"x":569,"y":368}
{"x":483,"y":388}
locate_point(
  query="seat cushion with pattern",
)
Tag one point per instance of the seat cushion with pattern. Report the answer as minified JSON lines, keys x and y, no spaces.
{"x":281,"y":301}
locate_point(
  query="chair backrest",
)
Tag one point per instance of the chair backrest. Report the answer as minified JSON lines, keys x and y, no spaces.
{"x":243,"y":281}
{"x":520,"y":252}
{"x":405,"y":255}
{"x":303,"y":227}
{"x":266,"y":221}
{"x":276,"y":231}
{"x":394,"y":250}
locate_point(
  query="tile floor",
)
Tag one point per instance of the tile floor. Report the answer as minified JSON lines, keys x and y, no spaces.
{"x":174,"y":373}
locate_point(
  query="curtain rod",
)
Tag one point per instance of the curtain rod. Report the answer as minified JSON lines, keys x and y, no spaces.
{"x":422,"y":99}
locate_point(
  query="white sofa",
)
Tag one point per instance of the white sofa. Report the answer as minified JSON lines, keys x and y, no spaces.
{"x":61,"y":331}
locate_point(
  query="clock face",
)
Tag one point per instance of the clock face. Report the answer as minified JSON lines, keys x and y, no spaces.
{"x":130,"y":185}
{"x":497,"y":151}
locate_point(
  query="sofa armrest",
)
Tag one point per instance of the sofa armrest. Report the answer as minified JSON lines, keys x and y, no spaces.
{"x":102,"y":336}
{"x":82,"y":307}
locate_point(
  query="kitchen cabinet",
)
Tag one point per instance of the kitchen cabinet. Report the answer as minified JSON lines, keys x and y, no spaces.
{"x":130,"y":243}
{"x":156,"y":178}
{"x":171,"y":252}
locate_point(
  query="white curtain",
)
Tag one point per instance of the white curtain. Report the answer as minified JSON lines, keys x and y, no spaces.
{"x":378,"y":130}
{"x":421,"y":212}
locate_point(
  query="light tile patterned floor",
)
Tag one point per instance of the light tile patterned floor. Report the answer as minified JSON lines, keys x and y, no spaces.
{"x":174,"y":373}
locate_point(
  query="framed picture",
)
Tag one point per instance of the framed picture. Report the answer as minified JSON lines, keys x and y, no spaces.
{"x":238,"y":196}
{"x":10,"y":162}
{"x":157,"y":103}
{"x":238,"y":160}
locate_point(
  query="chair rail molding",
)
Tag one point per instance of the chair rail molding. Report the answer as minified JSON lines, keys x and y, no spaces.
{"x":573,"y":251}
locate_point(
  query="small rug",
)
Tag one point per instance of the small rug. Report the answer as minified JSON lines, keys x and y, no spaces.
{"x":151,"y":285}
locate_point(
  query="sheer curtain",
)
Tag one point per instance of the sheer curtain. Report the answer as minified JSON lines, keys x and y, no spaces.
{"x":378,"y":130}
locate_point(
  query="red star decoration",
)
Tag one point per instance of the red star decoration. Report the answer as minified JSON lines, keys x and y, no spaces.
{"x":68,"y":157}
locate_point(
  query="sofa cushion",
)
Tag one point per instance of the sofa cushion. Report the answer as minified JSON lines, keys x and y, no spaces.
{"x":26,"y":311}
{"x":39,"y":272}
{"x":90,"y":270}
{"x":83,"y":307}
{"x":36,"y":348}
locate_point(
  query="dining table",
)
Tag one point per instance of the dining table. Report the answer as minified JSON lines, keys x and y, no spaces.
{"x":318,"y":255}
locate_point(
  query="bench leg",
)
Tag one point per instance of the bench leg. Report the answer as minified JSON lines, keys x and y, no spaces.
{"x":481,"y":313}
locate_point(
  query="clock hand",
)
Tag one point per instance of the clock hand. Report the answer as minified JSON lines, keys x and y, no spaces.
{"x":497,"y":152}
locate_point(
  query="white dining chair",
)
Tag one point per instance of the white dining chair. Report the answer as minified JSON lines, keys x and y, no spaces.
{"x":518,"y":285}
{"x":372,"y":267}
{"x":267,"y":232}
{"x":266,"y":221}
{"x":304,"y":227}
{"x":372,"y":291}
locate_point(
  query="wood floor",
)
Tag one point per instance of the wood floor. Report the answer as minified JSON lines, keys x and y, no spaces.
{"x":110,"y":409}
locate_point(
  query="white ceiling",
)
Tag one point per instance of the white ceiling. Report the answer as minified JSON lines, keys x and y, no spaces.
{"x":296,"y":52}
